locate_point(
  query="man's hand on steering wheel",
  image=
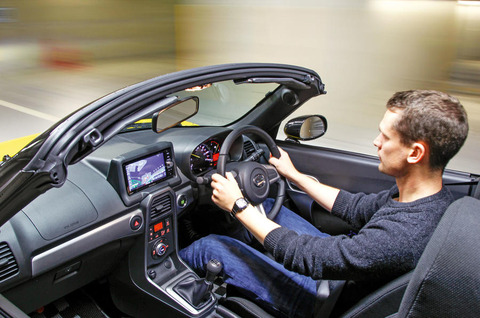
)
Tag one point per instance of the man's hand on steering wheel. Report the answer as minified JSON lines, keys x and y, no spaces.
{"x":225,"y":191}
{"x":283,"y":164}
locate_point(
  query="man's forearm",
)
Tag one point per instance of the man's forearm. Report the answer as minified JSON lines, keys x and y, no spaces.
{"x":321,"y":193}
{"x":256,"y":223}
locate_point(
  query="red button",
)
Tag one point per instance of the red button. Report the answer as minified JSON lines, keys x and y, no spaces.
{"x":136,"y":222}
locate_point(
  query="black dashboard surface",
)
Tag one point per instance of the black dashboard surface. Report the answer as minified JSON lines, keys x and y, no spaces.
{"x":91,"y":205}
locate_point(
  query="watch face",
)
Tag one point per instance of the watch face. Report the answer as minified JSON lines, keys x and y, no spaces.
{"x":241,"y":204}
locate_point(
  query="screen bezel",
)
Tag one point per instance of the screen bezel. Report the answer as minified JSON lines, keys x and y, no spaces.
{"x":168,"y":171}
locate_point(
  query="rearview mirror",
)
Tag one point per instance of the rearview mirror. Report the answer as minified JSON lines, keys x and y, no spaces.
{"x":175,"y":114}
{"x":306,"y":127}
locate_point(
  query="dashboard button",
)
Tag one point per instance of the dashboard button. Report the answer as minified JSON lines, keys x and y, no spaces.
{"x":182,"y":201}
{"x":136,"y":222}
{"x":152,"y":274}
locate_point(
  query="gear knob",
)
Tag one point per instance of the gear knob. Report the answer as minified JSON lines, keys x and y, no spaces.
{"x":214,"y":267}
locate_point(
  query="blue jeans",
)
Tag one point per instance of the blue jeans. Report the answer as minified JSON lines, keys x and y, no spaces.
{"x":255,"y":274}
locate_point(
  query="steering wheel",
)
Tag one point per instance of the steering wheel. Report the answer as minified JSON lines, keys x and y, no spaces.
{"x":254,"y":178}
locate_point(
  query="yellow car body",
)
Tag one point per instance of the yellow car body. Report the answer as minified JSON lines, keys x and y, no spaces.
{"x":11,"y":147}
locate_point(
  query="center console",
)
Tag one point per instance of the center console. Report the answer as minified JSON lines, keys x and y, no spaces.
{"x":154,"y":273}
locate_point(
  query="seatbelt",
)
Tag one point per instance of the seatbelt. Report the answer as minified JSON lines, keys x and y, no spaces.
{"x":327,"y":296}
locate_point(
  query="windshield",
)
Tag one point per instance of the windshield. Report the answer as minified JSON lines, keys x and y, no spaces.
{"x":225,"y":102}
{"x":220,"y":103}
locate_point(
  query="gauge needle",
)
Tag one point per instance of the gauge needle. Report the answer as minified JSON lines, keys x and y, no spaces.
{"x":196,"y":156}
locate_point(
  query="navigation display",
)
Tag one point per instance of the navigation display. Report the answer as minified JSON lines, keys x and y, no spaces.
{"x":146,"y":171}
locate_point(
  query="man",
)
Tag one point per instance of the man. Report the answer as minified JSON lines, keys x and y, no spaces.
{"x":419,"y":133}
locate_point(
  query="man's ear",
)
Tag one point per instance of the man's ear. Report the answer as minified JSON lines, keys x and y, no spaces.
{"x":418,"y":151}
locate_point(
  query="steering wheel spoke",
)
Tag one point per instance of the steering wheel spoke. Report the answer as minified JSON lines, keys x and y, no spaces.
{"x":260,"y":209}
{"x":272,"y":173}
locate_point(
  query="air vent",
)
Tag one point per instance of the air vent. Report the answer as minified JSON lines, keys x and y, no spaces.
{"x":8,"y":264}
{"x":160,"y":205}
{"x":249,"y":147}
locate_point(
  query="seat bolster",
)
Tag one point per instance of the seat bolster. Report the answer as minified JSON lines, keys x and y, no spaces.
{"x":383,"y":302}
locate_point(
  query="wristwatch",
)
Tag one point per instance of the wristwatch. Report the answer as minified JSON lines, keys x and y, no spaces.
{"x":239,"y":205}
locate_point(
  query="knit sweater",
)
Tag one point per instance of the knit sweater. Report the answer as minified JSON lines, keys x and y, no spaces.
{"x":391,"y":238}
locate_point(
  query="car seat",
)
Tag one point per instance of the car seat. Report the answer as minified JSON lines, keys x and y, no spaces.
{"x":446,"y":280}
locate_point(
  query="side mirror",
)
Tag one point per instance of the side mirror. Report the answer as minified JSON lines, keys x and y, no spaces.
{"x":175,"y":114}
{"x":306,"y":127}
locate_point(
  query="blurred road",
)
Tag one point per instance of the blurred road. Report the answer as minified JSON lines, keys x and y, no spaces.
{"x":32,"y":100}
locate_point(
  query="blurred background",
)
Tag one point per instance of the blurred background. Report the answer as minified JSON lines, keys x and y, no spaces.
{"x":58,"y":55}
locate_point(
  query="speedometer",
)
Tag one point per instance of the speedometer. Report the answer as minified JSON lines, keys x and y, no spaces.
{"x":201,"y":159}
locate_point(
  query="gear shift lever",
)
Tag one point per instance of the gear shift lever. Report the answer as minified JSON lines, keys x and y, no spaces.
{"x":214,"y":267}
{"x":197,"y":291}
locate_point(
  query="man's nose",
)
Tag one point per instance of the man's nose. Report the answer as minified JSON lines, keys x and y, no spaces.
{"x":376,"y":141}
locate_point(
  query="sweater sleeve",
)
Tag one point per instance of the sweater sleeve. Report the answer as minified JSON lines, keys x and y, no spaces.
{"x":357,"y":209}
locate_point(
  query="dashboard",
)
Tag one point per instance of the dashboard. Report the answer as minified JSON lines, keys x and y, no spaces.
{"x":132,"y":188}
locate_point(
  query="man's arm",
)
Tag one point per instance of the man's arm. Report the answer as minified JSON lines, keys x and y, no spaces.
{"x":226,"y":192}
{"x":321,"y":193}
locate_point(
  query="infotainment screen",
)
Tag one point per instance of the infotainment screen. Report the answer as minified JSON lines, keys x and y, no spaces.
{"x":148,"y":170}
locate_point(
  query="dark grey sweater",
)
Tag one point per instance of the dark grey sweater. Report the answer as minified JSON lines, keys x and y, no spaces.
{"x":391,"y":237}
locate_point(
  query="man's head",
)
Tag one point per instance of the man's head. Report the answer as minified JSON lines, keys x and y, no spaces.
{"x":434,"y":118}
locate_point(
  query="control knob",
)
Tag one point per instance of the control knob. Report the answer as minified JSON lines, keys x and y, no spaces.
{"x":160,"y":248}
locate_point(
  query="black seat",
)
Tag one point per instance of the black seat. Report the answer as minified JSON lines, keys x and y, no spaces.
{"x":446,"y":281}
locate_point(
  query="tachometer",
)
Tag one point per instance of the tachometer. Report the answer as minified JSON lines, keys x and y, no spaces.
{"x":215,"y":147}
{"x":201,"y":159}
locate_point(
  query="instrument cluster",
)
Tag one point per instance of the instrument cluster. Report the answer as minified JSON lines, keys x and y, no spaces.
{"x":205,"y":156}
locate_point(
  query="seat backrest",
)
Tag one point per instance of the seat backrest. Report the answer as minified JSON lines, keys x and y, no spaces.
{"x":446,"y":280}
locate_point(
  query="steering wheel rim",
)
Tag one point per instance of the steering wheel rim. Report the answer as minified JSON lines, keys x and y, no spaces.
{"x":254,"y":178}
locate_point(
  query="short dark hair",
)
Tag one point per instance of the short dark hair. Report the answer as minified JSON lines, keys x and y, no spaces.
{"x":433,"y":117}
